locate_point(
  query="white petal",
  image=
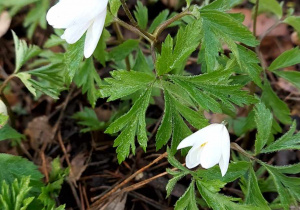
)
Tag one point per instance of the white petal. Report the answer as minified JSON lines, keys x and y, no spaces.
{"x":225,"y":149}
{"x":73,"y":33}
{"x":196,"y":138}
{"x":193,"y":157}
{"x":93,"y":34}
{"x":67,"y":13}
{"x":211,"y":154}
{"x":3,"y":109}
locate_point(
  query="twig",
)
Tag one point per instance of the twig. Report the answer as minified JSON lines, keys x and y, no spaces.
{"x":129,"y":179}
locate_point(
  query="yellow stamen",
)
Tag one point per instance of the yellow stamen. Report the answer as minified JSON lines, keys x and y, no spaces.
{"x":202,"y":145}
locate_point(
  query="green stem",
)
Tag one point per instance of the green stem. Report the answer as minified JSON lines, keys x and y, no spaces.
{"x":148,"y":37}
{"x":165,"y":24}
{"x":133,"y":21}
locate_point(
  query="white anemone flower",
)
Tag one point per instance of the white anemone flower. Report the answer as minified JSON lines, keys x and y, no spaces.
{"x":3,"y":109}
{"x":210,"y":146}
{"x":78,"y":17}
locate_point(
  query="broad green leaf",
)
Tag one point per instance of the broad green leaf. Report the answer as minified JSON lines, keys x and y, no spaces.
{"x":286,"y":59}
{"x":187,"y":200}
{"x":293,"y":21}
{"x":132,"y":124}
{"x":125,"y":83}
{"x":3,"y":119}
{"x":174,"y":57}
{"x":89,"y":119}
{"x":14,"y":167}
{"x":23,"y":52}
{"x":291,"y":76}
{"x":72,"y":59}
{"x":218,"y":27}
{"x":114,"y":6}
{"x":88,"y":79}
{"x":141,"y":14}
{"x":263,"y":119}
{"x":286,"y":142}
{"x":218,"y":201}
{"x":123,"y":50}
{"x":271,"y":6}
{"x":279,"y":107}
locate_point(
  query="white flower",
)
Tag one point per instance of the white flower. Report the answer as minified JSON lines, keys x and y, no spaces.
{"x":77,"y":17}
{"x":3,"y":109}
{"x":210,"y":146}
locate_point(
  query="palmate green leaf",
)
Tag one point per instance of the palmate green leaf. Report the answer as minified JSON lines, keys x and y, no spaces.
{"x":288,"y":188}
{"x":286,"y":59}
{"x":52,"y":190}
{"x":291,"y":76}
{"x":23,"y":52}
{"x":15,"y":194}
{"x":124,"y":83}
{"x":132,"y":124}
{"x":141,"y":63}
{"x":89,"y":119}
{"x":235,"y":170}
{"x":88,"y":79}
{"x":141,"y":14}
{"x":253,"y":195}
{"x":218,"y":27}
{"x":263,"y":119}
{"x":289,"y":169}
{"x":177,"y":175}
{"x":293,"y":21}
{"x":36,"y":17}
{"x":49,"y":80}
{"x":72,"y":59}
{"x":14,"y":167}
{"x":3,"y":119}
{"x":114,"y":6}
{"x":174,"y":58}
{"x":249,"y":61}
{"x":172,"y":124}
{"x":123,"y":50}
{"x":287,"y":141}
{"x":272,"y":101}
{"x":216,"y":201}
{"x":271,"y":6}
{"x":187,"y":200}
{"x":209,"y":95}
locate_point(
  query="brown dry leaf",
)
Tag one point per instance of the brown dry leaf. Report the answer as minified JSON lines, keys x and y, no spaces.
{"x":103,"y":114}
{"x":215,"y":118}
{"x":264,"y":22}
{"x":39,"y":131}
{"x":295,"y":37}
{"x":5,"y":21}
{"x":285,"y":85}
{"x":118,"y":203}
{"x":78,"y":166}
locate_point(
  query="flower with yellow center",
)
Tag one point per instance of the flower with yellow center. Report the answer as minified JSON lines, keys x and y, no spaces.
{"x":210,"y":146}
{"x":78,"y":17}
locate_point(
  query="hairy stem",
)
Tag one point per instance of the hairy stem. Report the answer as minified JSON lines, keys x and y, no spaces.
{"x":148,"y":37}
{"x":165,"y":24}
